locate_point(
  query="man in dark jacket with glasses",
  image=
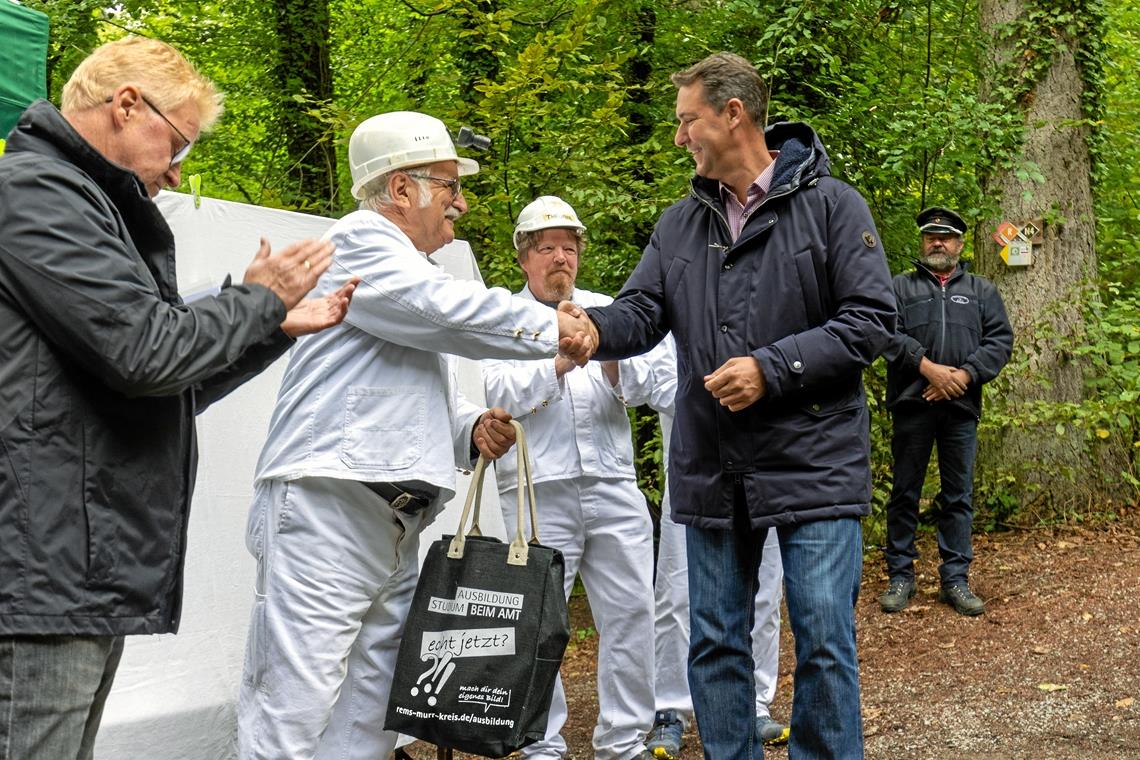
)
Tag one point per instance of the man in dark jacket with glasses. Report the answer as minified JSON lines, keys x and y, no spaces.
{"x":102,"y":370}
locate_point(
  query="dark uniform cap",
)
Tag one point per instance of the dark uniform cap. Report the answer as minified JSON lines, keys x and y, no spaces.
{"x":940,"y":221}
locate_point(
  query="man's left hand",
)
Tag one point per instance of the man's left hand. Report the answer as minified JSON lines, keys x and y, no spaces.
{"x":738,"y":383}
{"x":493,"y":433}
{"x":312,"y":315}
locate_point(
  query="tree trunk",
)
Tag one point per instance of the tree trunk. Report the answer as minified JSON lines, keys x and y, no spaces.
{"x":305,"y":78}
{"x":1045,"y":300}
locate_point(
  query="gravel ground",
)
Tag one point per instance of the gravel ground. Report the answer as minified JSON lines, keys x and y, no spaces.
{"x":1050,"y":672}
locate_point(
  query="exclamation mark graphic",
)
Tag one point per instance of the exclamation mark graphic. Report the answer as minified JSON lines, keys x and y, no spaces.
{"x":447,"y":671}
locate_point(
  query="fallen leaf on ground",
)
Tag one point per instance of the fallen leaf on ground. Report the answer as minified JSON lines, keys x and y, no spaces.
{"x":1052,"y":686}
{"x":1126,"y":702}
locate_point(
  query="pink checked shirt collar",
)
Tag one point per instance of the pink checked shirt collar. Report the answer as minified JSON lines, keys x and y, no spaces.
{"x":738,"y":213}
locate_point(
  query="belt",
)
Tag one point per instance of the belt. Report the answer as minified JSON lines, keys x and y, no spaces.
{"x":400,"y":498}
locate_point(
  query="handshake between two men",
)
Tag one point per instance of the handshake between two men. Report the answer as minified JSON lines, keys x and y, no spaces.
{"x":736,"y":384}
{"x":577,"y":333}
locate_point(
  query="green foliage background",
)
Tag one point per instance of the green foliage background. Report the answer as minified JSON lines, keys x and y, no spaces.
{"x":575,"y":95}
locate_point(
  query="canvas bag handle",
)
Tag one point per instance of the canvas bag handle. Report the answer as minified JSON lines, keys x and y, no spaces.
{"x":517,"y":555}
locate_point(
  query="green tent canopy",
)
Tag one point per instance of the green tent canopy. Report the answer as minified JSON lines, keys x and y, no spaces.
{"x":23,"y":61}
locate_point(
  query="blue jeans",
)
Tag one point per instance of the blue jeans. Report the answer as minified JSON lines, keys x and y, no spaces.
{"x":52,"y":692}
{"x":916,"y":430}
{"x":823,"y":564}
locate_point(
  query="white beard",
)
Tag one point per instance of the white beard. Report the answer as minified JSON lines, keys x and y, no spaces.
{"x":940,"y":262}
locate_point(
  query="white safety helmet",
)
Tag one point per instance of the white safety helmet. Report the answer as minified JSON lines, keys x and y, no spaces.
{"x":398,"y":140}
{"x":546,"y":212}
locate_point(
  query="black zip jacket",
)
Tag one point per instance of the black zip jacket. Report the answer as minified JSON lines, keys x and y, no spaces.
{"x":102,"y":368}
{"x":962,"y":324}
{"x":805,"y":290}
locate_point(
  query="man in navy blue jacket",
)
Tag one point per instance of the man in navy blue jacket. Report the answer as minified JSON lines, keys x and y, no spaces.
{"x":771,"y":278}
{"x":953,"y":336}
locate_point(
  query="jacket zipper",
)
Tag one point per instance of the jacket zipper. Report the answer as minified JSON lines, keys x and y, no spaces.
{"x":715,"y":210}
{"x":942,"y":323}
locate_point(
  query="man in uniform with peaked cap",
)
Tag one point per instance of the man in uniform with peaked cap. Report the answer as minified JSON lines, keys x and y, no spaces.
{"x":952,"y":337}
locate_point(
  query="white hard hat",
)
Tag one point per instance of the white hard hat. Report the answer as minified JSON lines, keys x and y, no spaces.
{"x":398,"y":140}
{"x":544,"y":213}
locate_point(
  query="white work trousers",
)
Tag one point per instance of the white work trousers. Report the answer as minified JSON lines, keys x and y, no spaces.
{"x":336,"y":570}
{"x":671,"y":635}
{"x":603,"y":529}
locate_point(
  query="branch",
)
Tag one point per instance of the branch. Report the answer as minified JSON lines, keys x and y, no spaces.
{"x":541,"y":24}
{"x":425,"y":14}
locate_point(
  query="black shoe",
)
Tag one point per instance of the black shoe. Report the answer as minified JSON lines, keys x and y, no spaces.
{"x":962,"y":599}
{"x":897,"y":595}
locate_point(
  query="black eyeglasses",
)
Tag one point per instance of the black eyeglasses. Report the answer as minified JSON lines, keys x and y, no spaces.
{"x":180,"y":154}
{"x":452,"y":184}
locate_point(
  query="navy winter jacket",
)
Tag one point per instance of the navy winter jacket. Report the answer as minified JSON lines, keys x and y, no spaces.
{"x":806,"y":291}
{"x":960,"y":324}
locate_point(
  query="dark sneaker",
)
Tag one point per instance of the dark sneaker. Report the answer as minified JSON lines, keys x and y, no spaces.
{"x":962,"y":599}
{"x":897,"y":595}
{"x":771,"y":732}
{"x":664,"y":740}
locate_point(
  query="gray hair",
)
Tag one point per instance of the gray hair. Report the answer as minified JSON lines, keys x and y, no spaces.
{"x":726,"y":76}
{"x":376,"y":195}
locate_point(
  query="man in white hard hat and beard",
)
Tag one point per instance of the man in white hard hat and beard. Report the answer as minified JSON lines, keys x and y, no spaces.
{"x":588,"y":503}
{"x":363,"y":446}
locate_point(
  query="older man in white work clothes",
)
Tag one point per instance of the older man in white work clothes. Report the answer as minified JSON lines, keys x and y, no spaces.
{"x":363,"y":447}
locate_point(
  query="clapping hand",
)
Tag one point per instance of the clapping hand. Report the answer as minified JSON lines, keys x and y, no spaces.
{"x":312,"y":315}
{"x":292,"y":272}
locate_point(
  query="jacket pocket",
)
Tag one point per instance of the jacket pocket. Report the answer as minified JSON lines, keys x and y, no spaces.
{"x":822,"y":408}
{"x":383,"y":427}
{"x":13,"y":531}
{"x":919,"y":313}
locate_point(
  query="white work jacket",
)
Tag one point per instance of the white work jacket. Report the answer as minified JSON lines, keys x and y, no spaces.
{"x":579,"y":425}
{"x":374,"y":399}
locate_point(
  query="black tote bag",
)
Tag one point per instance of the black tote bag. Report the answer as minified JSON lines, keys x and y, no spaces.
{"x":485,"y":635}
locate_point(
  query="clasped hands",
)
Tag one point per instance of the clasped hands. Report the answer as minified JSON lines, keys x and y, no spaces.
{"x":945,"y":382}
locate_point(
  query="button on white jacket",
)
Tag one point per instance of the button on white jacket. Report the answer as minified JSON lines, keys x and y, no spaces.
{"x":375,"y":399}
{"x":578,"y":426}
